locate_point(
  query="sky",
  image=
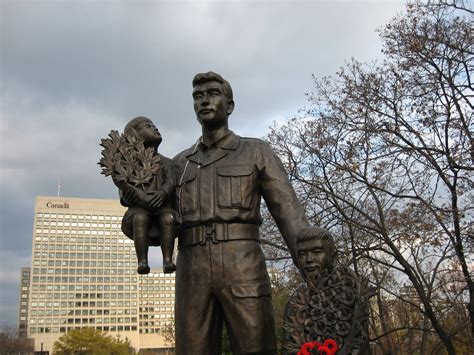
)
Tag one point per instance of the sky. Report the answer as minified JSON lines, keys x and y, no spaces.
{"x":70,"y":71}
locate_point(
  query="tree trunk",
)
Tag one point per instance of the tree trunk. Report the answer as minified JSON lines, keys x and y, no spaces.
{"x":425,"y":336}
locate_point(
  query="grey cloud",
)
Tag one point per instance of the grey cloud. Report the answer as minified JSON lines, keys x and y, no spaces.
{"x":141,"y":57}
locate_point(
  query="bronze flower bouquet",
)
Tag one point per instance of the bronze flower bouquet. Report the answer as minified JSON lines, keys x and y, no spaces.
{"x":130,"y":164}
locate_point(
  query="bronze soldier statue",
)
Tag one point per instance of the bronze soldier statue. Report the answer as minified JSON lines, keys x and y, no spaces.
{"x":221,"y":271}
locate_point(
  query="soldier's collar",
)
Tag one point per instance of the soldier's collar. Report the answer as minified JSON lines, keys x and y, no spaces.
{"x":229,"y":142}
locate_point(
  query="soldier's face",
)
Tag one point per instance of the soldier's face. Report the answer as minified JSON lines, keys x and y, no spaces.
{"x":314,"y":258}
{"x":211,"y":105}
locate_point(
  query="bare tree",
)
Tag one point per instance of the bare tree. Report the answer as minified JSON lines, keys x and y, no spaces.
{"x":387,"y":150}
{"x":10,"y":343}
{"x":169,"y":333}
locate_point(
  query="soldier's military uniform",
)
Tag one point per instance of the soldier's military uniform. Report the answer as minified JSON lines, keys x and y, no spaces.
{"x":221,"y":272}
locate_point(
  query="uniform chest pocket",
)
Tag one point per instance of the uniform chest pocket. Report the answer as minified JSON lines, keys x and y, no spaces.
{"x":188,"y":191}
{"x":235,"y":186}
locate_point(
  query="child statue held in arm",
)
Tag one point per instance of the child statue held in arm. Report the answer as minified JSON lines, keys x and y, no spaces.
{"x":149,"y":219}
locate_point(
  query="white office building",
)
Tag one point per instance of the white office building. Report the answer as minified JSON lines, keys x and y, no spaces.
{"x":83,"y":274}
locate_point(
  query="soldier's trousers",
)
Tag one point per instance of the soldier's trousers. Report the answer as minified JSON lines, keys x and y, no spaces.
{"x":225,"y":282}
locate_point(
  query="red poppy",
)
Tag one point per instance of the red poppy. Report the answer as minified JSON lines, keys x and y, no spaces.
{"x":328,"y":348}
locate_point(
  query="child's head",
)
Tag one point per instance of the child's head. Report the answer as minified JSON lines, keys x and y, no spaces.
{"x":316,"y":252}
{"x":144,"y":128}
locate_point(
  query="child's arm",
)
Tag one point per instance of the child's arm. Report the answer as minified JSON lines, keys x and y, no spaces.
{"x":168,"y":176}
{"x":131,"y":195}
{"x":167,"y":186}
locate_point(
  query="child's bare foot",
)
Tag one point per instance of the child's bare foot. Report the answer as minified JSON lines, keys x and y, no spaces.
{"x":168,"y":267}
{"x":143,"y":268}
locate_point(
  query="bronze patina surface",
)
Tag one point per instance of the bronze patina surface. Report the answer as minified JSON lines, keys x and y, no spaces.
{"x":145,"y":180}
{"x":331,"y":304}
{"x":221,"y":271}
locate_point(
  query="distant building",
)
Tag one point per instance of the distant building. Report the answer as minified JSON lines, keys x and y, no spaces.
{"x":409,"y":294}
{"x":84,"y":275}
{"x":23,"y":302}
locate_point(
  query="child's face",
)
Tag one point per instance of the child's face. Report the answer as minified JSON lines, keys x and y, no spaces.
{"x":149,"y":133}
{"x":313,"y":257}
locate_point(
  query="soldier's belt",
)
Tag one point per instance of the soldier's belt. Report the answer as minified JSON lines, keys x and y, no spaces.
{"x":217,"y":232}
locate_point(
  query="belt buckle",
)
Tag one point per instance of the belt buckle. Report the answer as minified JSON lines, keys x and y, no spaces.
{"x":210,"y":233}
